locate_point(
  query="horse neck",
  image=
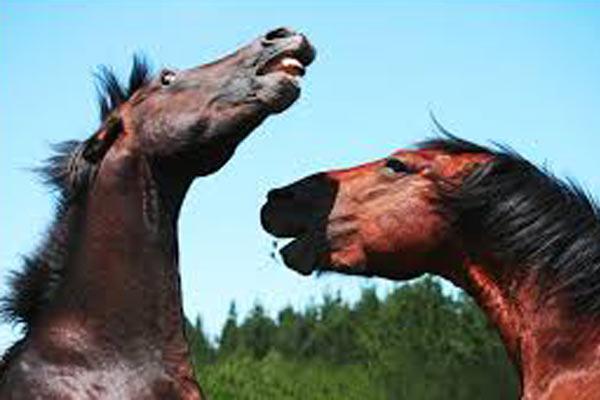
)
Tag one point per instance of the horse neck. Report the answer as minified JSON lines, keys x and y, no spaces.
{"x":557,"y":355}
{"x":121,"y":295}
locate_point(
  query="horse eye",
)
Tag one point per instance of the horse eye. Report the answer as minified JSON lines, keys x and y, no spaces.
{"x":397,"y":166}
{"x":167,"y":77}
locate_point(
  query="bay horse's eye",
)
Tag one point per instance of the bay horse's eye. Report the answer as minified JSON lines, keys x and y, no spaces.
{"x":167,"y":77}
{"x":397,"y":166}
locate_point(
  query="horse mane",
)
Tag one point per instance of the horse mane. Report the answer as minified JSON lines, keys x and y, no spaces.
{"x":112,"y":93}
{"x":529,"y":219}
{"x":69,"y":172}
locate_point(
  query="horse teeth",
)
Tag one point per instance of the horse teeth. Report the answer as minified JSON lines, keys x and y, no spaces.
{"x":289,"y":62}
{"x":291,"y":66}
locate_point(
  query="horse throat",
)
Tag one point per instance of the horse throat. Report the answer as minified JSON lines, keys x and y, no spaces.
{"x":120,"y":299}
{"x":557,"y":355}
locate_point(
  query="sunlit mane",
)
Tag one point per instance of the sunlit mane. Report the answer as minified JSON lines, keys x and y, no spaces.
{"x":528,"y":218}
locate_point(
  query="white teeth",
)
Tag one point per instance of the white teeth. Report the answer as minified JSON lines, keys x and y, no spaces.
{"x":291,"y":62}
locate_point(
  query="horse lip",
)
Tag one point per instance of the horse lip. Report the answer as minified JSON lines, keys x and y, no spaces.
{"x":284,"y":218}
{"x":296,"y":259}
{"x":275,"y":221}
{"x":302,"y":254}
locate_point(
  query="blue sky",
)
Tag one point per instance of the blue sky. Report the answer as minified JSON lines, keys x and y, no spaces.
{"x":527,"y":75}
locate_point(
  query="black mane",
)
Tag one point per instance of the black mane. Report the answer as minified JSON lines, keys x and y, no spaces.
{"x":112,"y":93}
{"x":69,"y":172}
{"x":528,"y":219}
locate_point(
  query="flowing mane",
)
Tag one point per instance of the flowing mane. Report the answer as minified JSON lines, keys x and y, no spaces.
{"x":531,"y":219}
{"x":69,"y":172}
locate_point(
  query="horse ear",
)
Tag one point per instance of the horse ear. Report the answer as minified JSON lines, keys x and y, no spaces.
{"x":96,"y":147}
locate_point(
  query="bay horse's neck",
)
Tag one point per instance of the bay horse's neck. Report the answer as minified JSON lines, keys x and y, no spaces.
{"x":120,"y":301}
{"x":558,"y":355}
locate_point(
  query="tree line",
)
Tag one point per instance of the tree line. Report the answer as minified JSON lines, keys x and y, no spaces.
{"x":415,"y":343}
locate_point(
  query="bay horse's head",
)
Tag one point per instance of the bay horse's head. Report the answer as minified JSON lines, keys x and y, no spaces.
{"x":382,"y":218}
{"x":195,"y":118}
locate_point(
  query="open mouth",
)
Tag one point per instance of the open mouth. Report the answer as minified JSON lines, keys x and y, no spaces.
{"x":290,"y":62}
{"x":312,"y":246}
{"x":284,"y":63}
{"x":306,"y":242}
{"x":307,"y":247}
{"x":312,"y":251}
{"x":280,"y":70}
{"x":300,"y":212}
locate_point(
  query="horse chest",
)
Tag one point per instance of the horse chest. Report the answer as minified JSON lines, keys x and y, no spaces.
{"x":33,"y":378}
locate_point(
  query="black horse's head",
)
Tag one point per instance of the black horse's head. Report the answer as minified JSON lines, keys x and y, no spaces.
{"x":195,"y":118}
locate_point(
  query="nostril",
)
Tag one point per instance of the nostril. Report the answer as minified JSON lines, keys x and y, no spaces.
{"x":279,"y":33}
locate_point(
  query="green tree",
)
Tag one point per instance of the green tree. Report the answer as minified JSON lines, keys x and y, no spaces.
{"x":292,"y":334}
{"x":229,"y":342}
{"x":200,"y":347}
{"x":417,"y":342}
{"x":257,"y":332}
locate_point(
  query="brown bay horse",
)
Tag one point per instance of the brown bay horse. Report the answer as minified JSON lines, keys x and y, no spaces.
{"x":100,"y":299}
{"x":524,"y":244}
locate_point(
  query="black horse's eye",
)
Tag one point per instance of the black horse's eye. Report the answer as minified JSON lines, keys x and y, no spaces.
{"x":167,"y":77}
{"x":397,"y":166}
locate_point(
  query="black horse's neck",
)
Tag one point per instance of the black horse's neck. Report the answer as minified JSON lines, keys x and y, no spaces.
{"x":119,"y":299}
{"x":123,"y":271}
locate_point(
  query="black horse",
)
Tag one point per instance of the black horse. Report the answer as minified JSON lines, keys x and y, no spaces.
{"x":101,"y":298}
